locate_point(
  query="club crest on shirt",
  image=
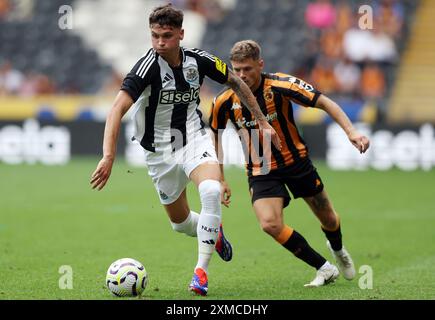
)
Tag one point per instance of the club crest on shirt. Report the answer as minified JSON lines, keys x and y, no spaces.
{"x":268,"y":95}
{"x":191,"y":75}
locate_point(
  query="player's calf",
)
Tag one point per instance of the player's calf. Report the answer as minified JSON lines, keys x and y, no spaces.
{"x":188,"y":226}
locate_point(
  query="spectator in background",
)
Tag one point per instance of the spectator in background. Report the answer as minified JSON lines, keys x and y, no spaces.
{"x":374,"y":87}
{"x":381,"y":47}
{"x":344,"y":17}
{"x":389,"y":15}
{"x":5,"y":8}
{"x":372,"y":82}
{"x":29,"y":86}
{"x":375,"y":45}
{"x":355,"y":43}
{"x":112,"y":84}
{"x":320,"y":14}
{"x":348,"y":77}
{"x":24,"y":9}
{"x":211,"y":9}
{"x":11,"y":80}
{"x":330,"y":43}
{"x":323,"y":76}
{"x":44,"y":85}
{"x":37,"y":84}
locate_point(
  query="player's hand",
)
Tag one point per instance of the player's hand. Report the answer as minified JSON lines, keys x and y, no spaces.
{"x":360,"y":142}
{"x":266,"y":128}
{"x":101,"y":175}
{"x":225,"y":194}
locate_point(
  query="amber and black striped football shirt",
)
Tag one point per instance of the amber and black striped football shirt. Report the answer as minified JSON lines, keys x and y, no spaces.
{"x":275,"y":96}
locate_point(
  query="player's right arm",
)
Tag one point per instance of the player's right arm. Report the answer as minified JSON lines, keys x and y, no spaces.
{"x":132,"y":87}
{"x":101,"y":175}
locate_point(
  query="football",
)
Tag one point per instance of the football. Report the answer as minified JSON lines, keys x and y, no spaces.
{"x":126,"y":277}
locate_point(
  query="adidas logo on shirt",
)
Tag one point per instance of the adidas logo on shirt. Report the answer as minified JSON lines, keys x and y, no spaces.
{"x":167,"y":78}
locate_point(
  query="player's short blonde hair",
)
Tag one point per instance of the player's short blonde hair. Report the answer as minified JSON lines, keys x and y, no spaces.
{"x":245,"y":49}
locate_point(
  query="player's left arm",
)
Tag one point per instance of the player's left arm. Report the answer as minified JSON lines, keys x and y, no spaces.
{"x":122,"y":103}
{"x":218,"y":121}
{"x":360,"y":141}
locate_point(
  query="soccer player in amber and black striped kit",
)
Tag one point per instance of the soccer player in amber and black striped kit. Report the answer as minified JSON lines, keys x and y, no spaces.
{"x":289,"y":167}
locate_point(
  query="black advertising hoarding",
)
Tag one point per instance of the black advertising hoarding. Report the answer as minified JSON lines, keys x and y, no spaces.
{"x":55,"y":143}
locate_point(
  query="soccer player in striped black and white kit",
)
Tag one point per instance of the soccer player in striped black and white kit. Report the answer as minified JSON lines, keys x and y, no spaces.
{"x":164,"y":88}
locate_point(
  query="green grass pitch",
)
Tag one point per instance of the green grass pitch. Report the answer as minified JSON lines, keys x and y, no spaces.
{"x":50,"y":217}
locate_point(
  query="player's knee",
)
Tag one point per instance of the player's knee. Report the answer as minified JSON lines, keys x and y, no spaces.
{"x":330,"y":221}
{"x":210,"y":192}
{"x":271,"y":227}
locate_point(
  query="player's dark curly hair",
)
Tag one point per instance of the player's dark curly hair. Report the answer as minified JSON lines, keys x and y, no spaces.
{"x":245,"y":49}
{"x":167,"y":15}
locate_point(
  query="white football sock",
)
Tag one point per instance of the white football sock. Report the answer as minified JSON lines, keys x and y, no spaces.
{"x":188,"y":226}
{"x":209,"y":221}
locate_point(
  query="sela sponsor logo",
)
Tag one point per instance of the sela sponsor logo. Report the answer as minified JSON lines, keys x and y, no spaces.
{"x":405,"y":148}
{"x":31,"y":143}
{"x":174,"y":96}
{"x":242,"y":123}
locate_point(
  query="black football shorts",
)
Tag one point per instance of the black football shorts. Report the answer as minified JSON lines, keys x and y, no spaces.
{"x":273,"y":185}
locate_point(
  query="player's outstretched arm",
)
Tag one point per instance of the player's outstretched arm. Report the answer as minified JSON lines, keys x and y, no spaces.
{"x":101,"y":175}
{"x":225,"y":188}
{"x":360,"y":141}
{"x":244,"y":93}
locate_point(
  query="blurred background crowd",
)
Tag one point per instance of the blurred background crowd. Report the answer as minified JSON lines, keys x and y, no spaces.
{"x":329,"y":43}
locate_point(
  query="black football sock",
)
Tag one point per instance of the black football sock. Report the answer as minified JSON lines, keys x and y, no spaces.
{"x":302,"y":250}
{"x":334,"y":238}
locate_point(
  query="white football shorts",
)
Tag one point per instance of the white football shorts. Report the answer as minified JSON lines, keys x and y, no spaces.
{"x":170,"y":171}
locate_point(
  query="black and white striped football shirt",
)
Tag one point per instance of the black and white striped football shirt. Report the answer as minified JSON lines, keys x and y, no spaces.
{"x":167,"y":98}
